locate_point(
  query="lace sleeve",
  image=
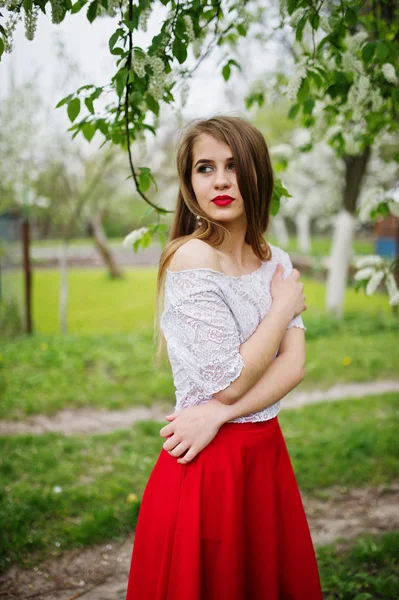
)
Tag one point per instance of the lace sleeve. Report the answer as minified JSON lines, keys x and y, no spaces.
{"x":296,"y":321}
{"x":202,"y":333}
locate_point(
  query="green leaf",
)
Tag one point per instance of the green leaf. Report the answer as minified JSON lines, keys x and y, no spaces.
{"x":102,"y":126}
{"x":88,"y":130}
{"x":144,"y":181}
{"x":226,"y":71}
{"x":303,"y":91}
{"x":293,"y":111}
{"x":350,"y":16}
{"x":73,"y":109}
{"x":92,"y":11}
{"x":64,"y":101}
{"x":77,"y":6}
{"x":308,"y":106}
{"x":316,"y":78}
{"x":241,"y":29}
{"x":368,"y":52}
{"x":1,"y":47}
{"x":235,"y":63}
{"x":114,"y":38}
{"x":152,"y":104}
{"x":382,"y":50}
{"x":120,"y":81}
{"x":275,"y":203}
{"x":89,"y":104}
{"x":300,"y":27}
{"x":315,"y":21}
{"x":97,"y":93}
{"x":117,"y":51}
{"x":395,"y":96}
{"x":179,"y":50}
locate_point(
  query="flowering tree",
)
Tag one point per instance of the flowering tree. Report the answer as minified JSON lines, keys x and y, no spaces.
{"x":344,"y":90}
{"x":144,"y":78}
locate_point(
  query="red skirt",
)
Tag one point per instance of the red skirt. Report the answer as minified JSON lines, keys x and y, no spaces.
{"x":229,"y":525}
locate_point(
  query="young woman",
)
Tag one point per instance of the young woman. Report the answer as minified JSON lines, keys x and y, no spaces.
{"x":221,"y":516}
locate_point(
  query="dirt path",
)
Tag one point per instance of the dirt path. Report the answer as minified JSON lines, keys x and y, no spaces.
{"x":91,"y":420}
{"x":101,"y":572}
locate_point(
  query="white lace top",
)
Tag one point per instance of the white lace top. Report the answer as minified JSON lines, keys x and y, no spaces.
{"x":207,"y":316}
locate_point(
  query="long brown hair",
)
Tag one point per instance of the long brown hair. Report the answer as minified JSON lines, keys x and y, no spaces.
{"x":254,"y":179}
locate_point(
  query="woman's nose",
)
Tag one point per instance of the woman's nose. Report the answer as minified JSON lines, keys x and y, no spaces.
{"x":221,"y":179}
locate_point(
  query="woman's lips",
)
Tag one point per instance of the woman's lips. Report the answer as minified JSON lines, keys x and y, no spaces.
{"x":222,"y":202}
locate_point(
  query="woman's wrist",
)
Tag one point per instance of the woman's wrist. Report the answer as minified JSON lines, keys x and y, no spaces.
{"x":282,"y":312}
{"x":220,"y":410}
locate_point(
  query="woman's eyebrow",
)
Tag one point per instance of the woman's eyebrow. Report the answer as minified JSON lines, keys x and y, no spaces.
{"x":208,"y":160}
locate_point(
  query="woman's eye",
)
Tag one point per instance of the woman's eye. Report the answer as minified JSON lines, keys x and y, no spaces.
{"x":201,"y":169}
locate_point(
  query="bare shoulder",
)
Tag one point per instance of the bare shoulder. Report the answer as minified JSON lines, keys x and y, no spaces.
{"x":195,"y":254}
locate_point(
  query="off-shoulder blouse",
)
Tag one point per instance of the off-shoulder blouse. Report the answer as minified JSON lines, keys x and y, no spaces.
{"x":207,"y":315}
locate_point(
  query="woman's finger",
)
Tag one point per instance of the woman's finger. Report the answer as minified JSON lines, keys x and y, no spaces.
{"x":172,"y":416}
{"x":192,"y":453}
{"x":167,"y":430}
{"x":179,"y":449}
{"x":171,"y":443}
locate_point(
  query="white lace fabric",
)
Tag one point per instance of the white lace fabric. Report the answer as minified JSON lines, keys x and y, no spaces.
{"x":207,"y":316}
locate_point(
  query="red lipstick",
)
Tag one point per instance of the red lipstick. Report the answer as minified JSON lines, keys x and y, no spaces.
{"x":222,"y":200}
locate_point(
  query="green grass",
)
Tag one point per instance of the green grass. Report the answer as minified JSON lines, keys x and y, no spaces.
{"x":98,"y":304}
{"x":345,"y":443}
{"x":366,"y":569}
{"x":320,"y":244}
{"x":42,"y":374}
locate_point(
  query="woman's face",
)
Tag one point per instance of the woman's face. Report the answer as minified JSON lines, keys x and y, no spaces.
{"x":213,"y":174}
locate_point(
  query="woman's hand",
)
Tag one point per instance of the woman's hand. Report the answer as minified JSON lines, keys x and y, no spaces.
{"x":288,"y":293}
{"x":192,"y":429}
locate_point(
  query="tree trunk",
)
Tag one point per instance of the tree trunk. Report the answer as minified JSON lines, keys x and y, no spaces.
{"x":280,"y":231}
{"x":341,"y":253}
{"x":97,"y":232}
{"x":302,"y":221}
{"x":63,"y":306}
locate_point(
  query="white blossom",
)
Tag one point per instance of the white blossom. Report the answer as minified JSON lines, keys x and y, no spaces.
{"x":9,"y":27}
{"x":189,"y":27}
{"x":144,"y":16}
{"x":296,"y":16}
{"x":374,"y":282}
{"x":325,"y":24}
{"x":184,"y":93}
{"x":31,"y":22}
{"x":134,"y":235}
{"x":138,"y":65}
{"x":365,"y":273}
{"x":356,"y":41}
{"x":372,"y":260}
{"x":388,"y":71}
{"x":57,"y":11}
{"x":197,"y":47}
{"x":376,"y":100}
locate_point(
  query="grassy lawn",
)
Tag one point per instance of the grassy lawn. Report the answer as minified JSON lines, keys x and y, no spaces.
{"x":106,"y":360}
{"x":320,"y":244}
{"x":46,"y":373}
{"x":366,"y":570}
{"x":98,"y":304}
{"x":61,"y":492}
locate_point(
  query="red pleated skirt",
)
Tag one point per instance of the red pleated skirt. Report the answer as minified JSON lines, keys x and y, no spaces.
{"x":229,"y":525}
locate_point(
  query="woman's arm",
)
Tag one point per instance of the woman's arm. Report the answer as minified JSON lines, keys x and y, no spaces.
{"x":193,"y":428}
{"x":259,"y":350}
{"x":286,"y":372}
